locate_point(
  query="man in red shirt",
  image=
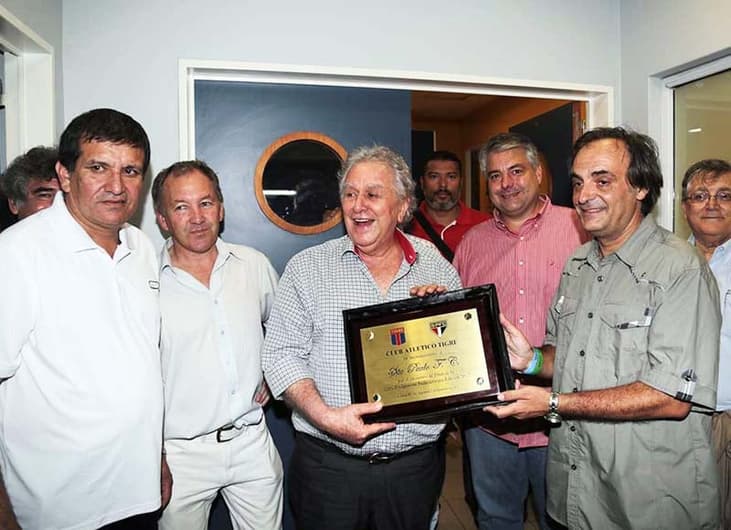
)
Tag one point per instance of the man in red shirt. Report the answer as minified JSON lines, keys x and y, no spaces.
{"x":442,"y":210}
{"x":522,"y":250}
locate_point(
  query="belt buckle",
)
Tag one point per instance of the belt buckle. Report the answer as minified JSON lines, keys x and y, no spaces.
{"x":222,"y":430}
{"x":379,"y":458}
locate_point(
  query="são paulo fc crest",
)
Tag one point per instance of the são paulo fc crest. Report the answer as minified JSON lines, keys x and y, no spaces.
{"x":438,"y":327}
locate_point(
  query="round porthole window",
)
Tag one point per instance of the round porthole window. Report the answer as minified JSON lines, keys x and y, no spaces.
{"x":296,"y":182}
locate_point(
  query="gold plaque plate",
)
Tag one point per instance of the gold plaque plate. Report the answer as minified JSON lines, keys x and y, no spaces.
{"x":425,"y":357}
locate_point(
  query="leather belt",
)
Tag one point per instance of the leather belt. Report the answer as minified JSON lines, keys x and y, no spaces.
{"x":376,"y":457}
{"x":227,"y":433}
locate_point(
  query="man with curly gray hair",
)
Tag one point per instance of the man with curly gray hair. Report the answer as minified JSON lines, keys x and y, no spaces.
{"x":30,"y":182}
{"x":399,"y":469}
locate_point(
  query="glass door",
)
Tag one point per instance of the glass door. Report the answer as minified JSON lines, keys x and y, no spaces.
{"x":702,"y":129}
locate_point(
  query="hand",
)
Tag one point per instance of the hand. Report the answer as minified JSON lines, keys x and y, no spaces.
{"x":346,"y":423}
{"x":166,"y":484}
{"x":425,"y":290}
{"x":519,"y":349}
{"x":527,"y":402}
{"x":263,"y":394}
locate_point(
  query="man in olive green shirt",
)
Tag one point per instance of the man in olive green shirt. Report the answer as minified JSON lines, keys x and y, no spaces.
{"x":632,"y":346}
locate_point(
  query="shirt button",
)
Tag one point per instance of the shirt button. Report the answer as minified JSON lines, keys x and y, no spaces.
{"x":573,"y":467}
{"x":521,"y":291}
{"x":522,"y":238}
{"x":222,"y":332}
{"x":600,"y":278}
{"x":590,"y":315}
{"x":582,"y":353}
{"x":574,"y":389}
{"x":521,"y":263}
{"x":573,"y":428}
{"x":521,"y":319}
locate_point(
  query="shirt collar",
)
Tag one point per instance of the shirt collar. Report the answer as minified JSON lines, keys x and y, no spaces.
{"x":719,"y":252}
{"x":528,"y":223}
{"x":78,"y":239}
{"x":629,"y":252}
{"x":406,"y":246}
{"x":225,"y":251}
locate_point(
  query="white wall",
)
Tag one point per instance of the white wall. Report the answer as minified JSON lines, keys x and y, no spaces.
{"x":125,"y":54}
{"x":45,"y":18}
{"x":661,"y":37}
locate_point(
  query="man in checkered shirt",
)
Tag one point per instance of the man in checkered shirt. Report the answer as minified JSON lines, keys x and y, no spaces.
{"x":344,"y":472}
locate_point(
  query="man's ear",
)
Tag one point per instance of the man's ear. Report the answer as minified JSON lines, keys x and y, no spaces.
{"x":539,"y":173}
{"x":162,"y":222}
{"x":64,"y":177}
{"x":13,"y":206}
{"x":640,"y":194}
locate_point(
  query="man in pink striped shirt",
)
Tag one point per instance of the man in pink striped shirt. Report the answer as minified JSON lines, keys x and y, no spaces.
{"x":522,"y":250}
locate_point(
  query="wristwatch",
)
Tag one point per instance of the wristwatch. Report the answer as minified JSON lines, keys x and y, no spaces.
{"x":552,"y":416}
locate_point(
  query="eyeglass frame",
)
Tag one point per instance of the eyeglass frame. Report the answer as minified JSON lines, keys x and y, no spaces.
{"x":708,"y":197}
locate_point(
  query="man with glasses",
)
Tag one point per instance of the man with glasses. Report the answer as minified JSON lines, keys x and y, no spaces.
{"x":707,"y":208}
{"x":30,"y":182}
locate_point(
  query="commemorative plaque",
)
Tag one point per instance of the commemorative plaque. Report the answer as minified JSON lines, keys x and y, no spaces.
{"x":428,"y":357}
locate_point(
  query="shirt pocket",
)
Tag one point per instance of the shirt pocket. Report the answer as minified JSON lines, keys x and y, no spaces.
{"x":623,"y":338}
{"x":565,"y":308}
{"x":726,"y":315}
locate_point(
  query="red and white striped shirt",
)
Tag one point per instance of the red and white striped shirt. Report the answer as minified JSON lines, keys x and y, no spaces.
{"x":526,"y":269}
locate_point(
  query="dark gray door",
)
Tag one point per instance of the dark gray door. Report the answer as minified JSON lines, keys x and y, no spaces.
{"x":235,"y":122}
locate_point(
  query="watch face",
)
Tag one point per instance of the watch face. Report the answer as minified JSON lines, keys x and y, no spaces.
{"x":553,"y":418}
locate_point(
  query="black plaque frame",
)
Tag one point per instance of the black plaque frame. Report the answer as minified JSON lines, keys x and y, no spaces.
{"x":483,"y":299}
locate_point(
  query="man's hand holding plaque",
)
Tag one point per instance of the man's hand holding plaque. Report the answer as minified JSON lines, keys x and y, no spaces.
{"x":428,"y":357}
{"x":344,"y":423}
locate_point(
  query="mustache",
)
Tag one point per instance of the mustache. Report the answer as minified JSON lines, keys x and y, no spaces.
{"x":591,"y":204}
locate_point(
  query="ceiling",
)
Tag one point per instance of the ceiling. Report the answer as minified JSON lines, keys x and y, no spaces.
{"x":447,"y":106}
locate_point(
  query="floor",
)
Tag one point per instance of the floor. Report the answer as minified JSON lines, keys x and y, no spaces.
{"x":454,"y":513}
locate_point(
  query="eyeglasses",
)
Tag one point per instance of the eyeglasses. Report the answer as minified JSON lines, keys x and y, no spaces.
{"x":702,"y":197}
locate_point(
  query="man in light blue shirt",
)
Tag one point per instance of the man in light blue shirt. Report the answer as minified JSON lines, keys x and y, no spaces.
{"x":707,"y":208}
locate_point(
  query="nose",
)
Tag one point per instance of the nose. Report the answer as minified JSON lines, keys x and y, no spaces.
{"x":506,"y":181}
{"x":582,"y":194}
{"x":358,"y":203}
{"x":114,"y":183}
{"x":196,"y":214}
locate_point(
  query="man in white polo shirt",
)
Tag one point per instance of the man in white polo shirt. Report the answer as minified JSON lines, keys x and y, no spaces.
{"x":214,"y":299}
{"x":81,"y":397}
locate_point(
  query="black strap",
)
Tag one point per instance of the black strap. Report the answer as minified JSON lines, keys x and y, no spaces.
{"x":429,"y":229}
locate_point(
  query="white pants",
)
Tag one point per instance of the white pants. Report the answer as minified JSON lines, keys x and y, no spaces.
{"x":247,"y":470}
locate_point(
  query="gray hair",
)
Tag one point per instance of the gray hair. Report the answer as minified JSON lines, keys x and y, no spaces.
{"x":402,"y":181}
{"x":39,"y":162}
{"x":506,"y":141}
{"x":711,"y":168}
